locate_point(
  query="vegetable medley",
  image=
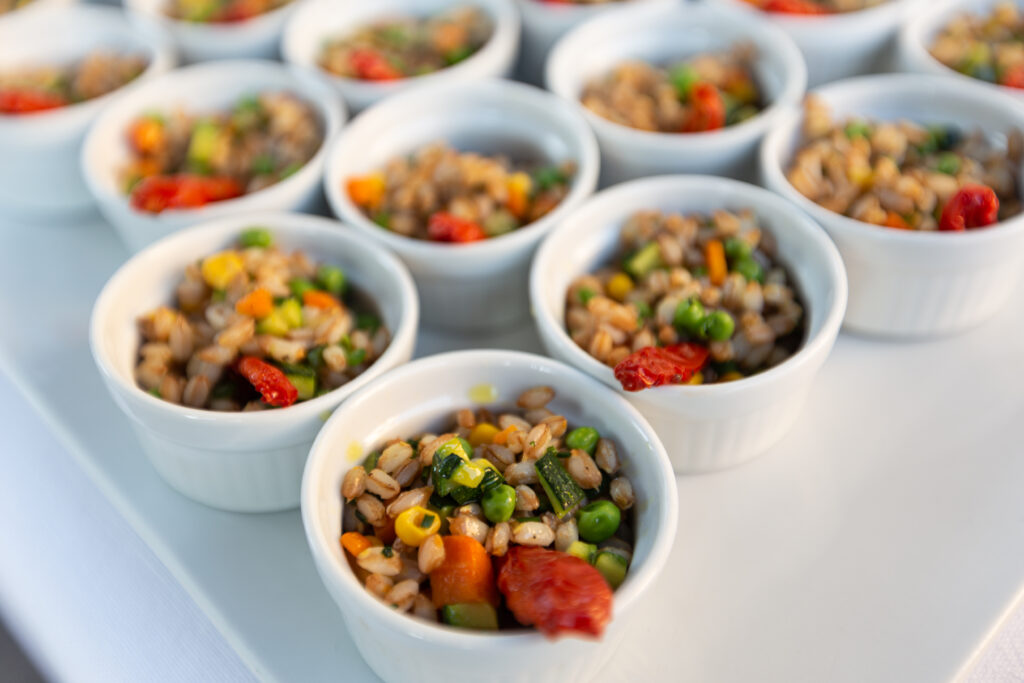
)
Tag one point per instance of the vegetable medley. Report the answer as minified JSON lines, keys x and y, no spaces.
{"x":255,"y":327}
{"x":42,"y":88}
{"x":990,"y":48}
{"x":702,"y":93}
{"x":444,"y":195}
{"x":814,"y":6}
{"x":183,"y":161}
{"x":906,"y":175}
{"x":691,"y":299}
{"x":220,"y":11}
{"x":408,"y":46}
{"x":509,"y":518}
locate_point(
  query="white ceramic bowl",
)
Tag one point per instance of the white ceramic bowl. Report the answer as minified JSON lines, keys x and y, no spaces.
{"x":425,"y":394}
{"x":905,"y":283}
{"x":256,"y":38}
{"x":246,"y":462}
{"x":841,"y":45}
{"x":707,"y":427}
{"x":484,"y":284}
{"x":659,"y":34}
{"x":918,"y":33}
{"x":203,"y":88}
{"x":545,"y":22}
{"x":320,"y":20}
{"x":39,"y":170}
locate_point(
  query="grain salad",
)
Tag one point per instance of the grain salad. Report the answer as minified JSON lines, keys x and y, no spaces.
{"x":11,"y":5}
{"x":989,"y":47}
{"x":185,"y":160}
{"x":907,"y":175}
{"x":814,"y":6}
{"x":41,"y":88}
{"x":511,"y":518}
{"x":220,"y":11}
{"x":701,"y":93}
{"x":402,"y":47}
{"x":256,"y":326}
{"x":441,"y":194}
{"x":688,"y":299}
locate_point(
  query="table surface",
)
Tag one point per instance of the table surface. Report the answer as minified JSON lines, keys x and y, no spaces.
{"x":880,"y":540}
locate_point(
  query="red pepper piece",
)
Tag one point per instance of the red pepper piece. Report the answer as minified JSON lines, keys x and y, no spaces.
{"x":28,"y":101}
{"x":554,"y":591}
{"x":157,"y":193}
{"x":371,"y":65}
{"x":793,"y":7}
{"x":269,"y":381}
{"x":707,"y":109}
{"x":973,"y":206}
{"x":240,"y":10}
{"x":1013,"y":77}
{"x":445,"y":227}
{"x":653,"y":366}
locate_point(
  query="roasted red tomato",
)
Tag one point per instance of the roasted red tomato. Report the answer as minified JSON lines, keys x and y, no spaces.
{"x":444,"y":227}
{"x":793,"y":7}
{"x":707,"y":109}
{"x":28,"y":101}
{"x":556,"y":592}
{"x":157,"y":193}
{"x":269,"y":381}
{"x":654,"y":366}
{"x":372,"y":66}
{"x":974,"y":206}
{"x":1014,"y":77}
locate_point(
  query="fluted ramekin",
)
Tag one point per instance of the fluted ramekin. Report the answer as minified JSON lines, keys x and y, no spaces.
{"x":245,"y":462}
{"x":422,"y":395}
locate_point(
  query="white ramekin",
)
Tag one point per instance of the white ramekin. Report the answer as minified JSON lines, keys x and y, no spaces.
{"x":905,"y":283}
{"x":544,"y":23}
{"x":320,"y":20}
{"x":714,"y":426}
{"x":844,"y":44}
{"x":245,"y":462}
{"x":917,"y":35}
{"x":256,"y":38}
{"x":39,"y":170}
{"x":202,"y":88}
{"x":660,"y":33}
{"x":423,"y":395}
{"x":482,"y":285}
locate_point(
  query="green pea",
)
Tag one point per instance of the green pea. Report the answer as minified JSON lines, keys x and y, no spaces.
{"x":583,"y":438}
{"x":683,"y":78}
{"x":499,"y":503}
{"x":949,"y":163}
{"x":689,"y":314}
{"x":857,"y":129}
{"x":256,"y":237}
{"x":736,"y":248}
{"x":300,"y":286}
{"x":598,"y":521}
{"x":718,"y":326}
{"x":332,"y":279}
{"x":749,"y":269}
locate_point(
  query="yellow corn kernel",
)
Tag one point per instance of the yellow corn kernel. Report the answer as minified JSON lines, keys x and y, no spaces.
{"x":220,"y":269}
{"x":731,"y":376}
{"x":698,"y":378}
{"x":468,"y":474}
{"x":482,"y":433}
{"x":417,"y":524}
{"x":619,"y":286}
{"x":519,"y":186}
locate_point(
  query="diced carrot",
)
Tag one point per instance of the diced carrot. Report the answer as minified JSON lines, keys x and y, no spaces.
{"x":519,"y":186}
{"x":894,"y":220}
{"x":501,"y":438}
{"x":258,"y":303}
{"x":718,"y":269}
{"x":465,"y":576}
{"x":386,"y":533}
{"x":147,"y":135}
{"x":314,"y":298}
{"x":368,"y":190}
{"x":354,"y":542}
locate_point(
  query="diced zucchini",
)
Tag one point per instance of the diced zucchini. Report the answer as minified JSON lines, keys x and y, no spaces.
{"x":291,"y":311}
{"x":274,"y":324}
{"x":466,"y":494}
{"x":441,"y":471}
{"x":563,"y":492}
{"x":468,"y":474}
{"x":477,"y":615}
{"x":452,"y":446}
{"x":646,"y":259}
{"x":500,"y":222}
{"x":612,"y":566}
{"x":371,"y":461}
{"x":203,"y":144}
{"x":305,"y":384}
{"x":583,"y":550}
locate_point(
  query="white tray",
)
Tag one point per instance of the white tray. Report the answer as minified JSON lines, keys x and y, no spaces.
{"x":879,"y":541}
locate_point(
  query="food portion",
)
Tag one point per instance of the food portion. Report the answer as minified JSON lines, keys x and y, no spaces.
{"x":689,"y":299}
{"x":220,"y":11}
{"x":511,"y":518}
{"x":41,"y":88}
{"x":402,"y":47}
{"x":906,"y":175}
{"x":812,"y":7}
{"x":256,"y":327}
{"x":441,"y":194}
{"x":185,"y":160}
{"x":11,"y":5}
{"x":702,"y":93}
{"x":987,"y":47}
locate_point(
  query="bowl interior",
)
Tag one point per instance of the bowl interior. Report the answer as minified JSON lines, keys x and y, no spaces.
{"x":424,"y":395}
{"x":924,"y":28}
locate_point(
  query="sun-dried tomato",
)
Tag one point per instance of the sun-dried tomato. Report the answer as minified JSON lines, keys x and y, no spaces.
{"x":707,"y":109}
{"x":157,"y":193}
{"x":653,"y":366}
{"x":445,"y":227}
{"x":371,"y":65}
{"x":554,"y":591}
{"x":269,"y":381}
{"x":793,"y":7}
{"x":973,"y":206}
{"x":28,"y":101}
